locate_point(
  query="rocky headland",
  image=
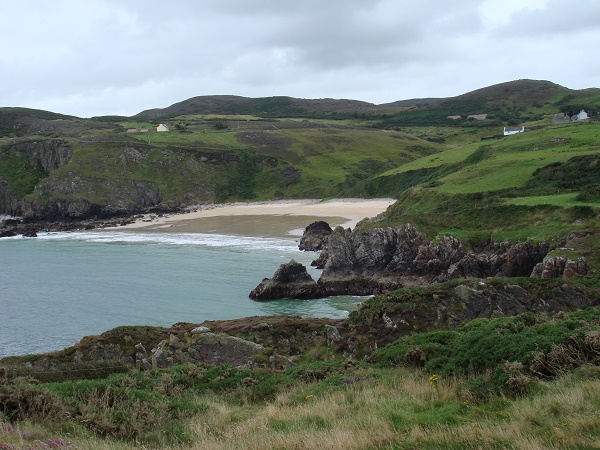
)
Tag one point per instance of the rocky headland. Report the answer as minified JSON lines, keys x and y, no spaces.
{"x":375,"y":260}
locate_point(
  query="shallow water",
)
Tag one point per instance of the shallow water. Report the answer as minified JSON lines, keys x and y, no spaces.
{"x":59,"y":287}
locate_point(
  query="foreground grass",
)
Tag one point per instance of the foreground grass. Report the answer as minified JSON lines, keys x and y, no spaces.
{"x":461,"y":393}
{"x":386,"y":409}
{"x":400,"y":410}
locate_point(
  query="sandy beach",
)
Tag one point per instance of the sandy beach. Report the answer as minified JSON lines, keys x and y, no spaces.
{"x":277,"y":218}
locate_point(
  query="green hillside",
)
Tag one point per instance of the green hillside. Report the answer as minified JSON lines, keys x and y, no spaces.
{"x":227,"y":148}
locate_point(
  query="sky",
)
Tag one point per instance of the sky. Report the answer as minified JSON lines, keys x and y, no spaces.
{"x":103,"y":57}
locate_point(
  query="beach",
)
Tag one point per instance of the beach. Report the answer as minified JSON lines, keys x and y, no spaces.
{"x":286,"y":218}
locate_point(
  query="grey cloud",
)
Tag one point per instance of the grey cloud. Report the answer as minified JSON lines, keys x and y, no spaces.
{"x":557,"y":18}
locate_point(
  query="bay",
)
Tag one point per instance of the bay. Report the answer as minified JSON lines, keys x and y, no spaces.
{"x":59,"y":287}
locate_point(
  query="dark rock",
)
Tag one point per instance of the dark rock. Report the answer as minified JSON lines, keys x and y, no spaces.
{"x":375,"y":260}
{"x":320,"y":262}
{"x":30,"y":233}
{"x":451,"y":306}
{"x":291,"y":280}
{"x":291,"y":174}
{"x":315,"y":236}
{"x":7,"y":233}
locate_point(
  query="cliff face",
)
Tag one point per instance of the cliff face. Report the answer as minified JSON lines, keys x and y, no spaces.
{"x":29,"y":162}
{"x":105,"y":178}
{"x":364,"y":262}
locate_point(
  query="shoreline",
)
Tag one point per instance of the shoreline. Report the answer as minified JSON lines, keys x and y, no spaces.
{"x":268,"y":218}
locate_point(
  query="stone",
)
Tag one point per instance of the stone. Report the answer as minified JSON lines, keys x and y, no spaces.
{"x":291,"y":280}
{"x":315,"y":236}
{"x":333,"y":335}
{"x":200,"y":330}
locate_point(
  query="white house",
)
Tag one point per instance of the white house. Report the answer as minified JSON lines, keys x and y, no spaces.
{"x":162,"y":127}
{"x":513,"y":130}
{"x":581,"y":116}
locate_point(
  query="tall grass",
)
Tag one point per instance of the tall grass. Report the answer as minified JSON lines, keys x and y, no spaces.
{"x":401,"y":410}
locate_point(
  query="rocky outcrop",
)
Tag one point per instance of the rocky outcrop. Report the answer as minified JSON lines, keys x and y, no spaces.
{"x":291,"y":280}
{"x":560,"y":267}
{"x":48,"y":154}
{"x":315,"y":236}
{"x":374,"y":260}
{"x":206,"y":347}
{"x":447,"y":307}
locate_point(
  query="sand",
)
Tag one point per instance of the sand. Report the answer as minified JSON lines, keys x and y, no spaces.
{"x":277,"y":218}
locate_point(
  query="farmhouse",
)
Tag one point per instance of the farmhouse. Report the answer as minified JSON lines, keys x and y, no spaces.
{"x":581,"y":116}
{"x":477,"y":116}
{"x":132,"y":130}
{"x":162,"y":127}
{"x":454,"y":117}
{"x":513,"y":130}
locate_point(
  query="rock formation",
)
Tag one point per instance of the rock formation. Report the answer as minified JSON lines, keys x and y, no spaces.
{"x":315,"y":236}
{"x":205,"y":347}
{"x":560,"y":267}
{"x":374,"y":260}
{"x":291,"y":280}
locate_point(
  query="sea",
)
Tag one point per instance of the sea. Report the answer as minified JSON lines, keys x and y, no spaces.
{"x":59,"y":287}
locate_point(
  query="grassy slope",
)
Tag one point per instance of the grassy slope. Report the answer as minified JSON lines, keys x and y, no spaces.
{"x":475,"y":400}
{"x":328,"y":162}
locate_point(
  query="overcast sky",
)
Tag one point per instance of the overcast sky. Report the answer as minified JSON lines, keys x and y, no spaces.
{"x":100,"y":57}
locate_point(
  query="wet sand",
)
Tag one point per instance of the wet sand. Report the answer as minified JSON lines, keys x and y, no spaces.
{"x":279,"y":218}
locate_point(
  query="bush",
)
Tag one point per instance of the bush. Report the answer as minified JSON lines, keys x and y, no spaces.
{"x":545,"y":346}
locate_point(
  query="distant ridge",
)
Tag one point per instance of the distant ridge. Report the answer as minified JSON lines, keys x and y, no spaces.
{"x":512,"y":94}
{"x":279,"y":106}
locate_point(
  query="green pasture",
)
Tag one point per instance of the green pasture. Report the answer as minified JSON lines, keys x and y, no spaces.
{"x":566,"y":200}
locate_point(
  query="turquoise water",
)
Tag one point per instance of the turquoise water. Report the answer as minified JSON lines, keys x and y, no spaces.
{"x":59,"y":287}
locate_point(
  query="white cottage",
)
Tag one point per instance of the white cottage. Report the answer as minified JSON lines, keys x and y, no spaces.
{"x":513,"y":130}
{"x":162,"y":127}
{"x":581,"y":116}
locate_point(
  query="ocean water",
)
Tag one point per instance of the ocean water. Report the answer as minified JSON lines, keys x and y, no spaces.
{"x":59,"y":287}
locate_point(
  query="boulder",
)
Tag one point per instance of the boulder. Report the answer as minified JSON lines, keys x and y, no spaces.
{"x":291,"y":280}
{"x":206,"y":347}
{"x":315,"y":236}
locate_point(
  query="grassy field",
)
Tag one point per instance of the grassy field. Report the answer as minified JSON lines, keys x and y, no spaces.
{"x":565,"y":200}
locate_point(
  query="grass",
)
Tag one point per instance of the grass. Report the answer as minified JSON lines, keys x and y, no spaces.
{"x":401,"y":410}
{"x":509,"y":162}
{"x":386,"y":408}
{"x":565,"y":200}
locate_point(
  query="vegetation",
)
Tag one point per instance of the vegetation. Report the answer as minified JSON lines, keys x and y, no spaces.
{"x":497,"y":383}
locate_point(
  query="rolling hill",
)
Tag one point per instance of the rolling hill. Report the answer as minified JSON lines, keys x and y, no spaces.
{"x":227,"y":148}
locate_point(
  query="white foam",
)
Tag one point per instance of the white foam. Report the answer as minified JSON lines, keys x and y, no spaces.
{"x":176,"y":239}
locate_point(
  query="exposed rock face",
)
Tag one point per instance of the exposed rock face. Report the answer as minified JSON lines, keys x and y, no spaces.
{"x":315,"y":236}
{"x":290,"y":280}
{"x":364,"y":262}
{"x":49,"y":154}
{"x":206,"y":347}
{"x":560,"y":267}
{"x":447,"y":308}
